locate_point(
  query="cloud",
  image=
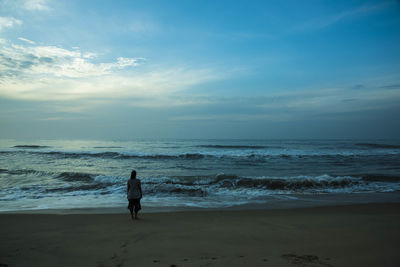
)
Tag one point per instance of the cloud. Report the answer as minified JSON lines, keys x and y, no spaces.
{"x":238,"y":117}
{"x":143,"y":25}
{"x":8,"y":22}
{"x":358,"y":87}
{"x":19,"y":60}
{"x":26,"y":40}
{"x":321,"y":102}
{"x":293,"y":105}
{"x":123,"y":62}
{"x":34,"y":72}
{"x":36,"y":5}
{"x":151,"y":86}
{"x":391,"y":86}
{"x":326,"y":21}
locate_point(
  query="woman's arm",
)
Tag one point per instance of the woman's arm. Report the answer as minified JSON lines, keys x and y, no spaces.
{"x":140,"y":190}
{"x":129,"y":186}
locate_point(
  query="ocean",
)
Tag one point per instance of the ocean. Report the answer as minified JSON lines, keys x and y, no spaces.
{"x":66,"y":174}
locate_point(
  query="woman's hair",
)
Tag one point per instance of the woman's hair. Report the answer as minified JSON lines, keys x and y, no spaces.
{"x":133,"y":174}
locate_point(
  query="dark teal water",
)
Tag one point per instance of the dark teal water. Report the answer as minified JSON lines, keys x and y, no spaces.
{"x":44,"y":174}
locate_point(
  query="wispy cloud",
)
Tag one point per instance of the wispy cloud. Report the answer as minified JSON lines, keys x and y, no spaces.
{"x":34,"y":72}
{"x":8,"y":22}
{"x":148,"y":85}
{"x":291,"y":106}
{"x":237,"y":117}
{"x":391,"y":86}
{"x":331,"y":100}
{"x":326,"y":21}
{"x":26,"y":40}
{"x":33,"y":5}
{"x":143,"y":26}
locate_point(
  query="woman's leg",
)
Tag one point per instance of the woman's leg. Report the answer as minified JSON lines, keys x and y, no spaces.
{"x":137,"y":207}
{"x":130,"y":207}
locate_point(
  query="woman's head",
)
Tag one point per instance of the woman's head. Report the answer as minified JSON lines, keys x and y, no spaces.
{"x":133,"y":174}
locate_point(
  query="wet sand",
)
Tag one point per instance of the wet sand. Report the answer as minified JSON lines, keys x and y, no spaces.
{"x":355,"y":235}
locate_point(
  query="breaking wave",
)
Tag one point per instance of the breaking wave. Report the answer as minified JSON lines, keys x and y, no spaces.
{"x":30,"y":146}
{"x":261,"y":156}
{"x":372,"y":145}
{"x":184,"y":172}
{"x":233,"y":147}
{"x":102,"y":147}
{"x":268,"y":185}
{"x":118,"y":155}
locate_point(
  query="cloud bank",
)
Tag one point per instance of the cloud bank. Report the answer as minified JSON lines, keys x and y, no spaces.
{"x":36,"y":72}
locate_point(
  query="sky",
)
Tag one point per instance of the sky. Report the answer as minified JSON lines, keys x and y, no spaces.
{"x":121,"y":70}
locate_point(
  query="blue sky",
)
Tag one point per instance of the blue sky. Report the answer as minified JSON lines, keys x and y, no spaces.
{"x":199,"y":69}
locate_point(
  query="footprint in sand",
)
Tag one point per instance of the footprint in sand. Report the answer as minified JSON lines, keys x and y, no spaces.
{"x":117,"y":261}
{"x":124,"y":244}
{"x":305,"y":260}
{"x":124,"y":247}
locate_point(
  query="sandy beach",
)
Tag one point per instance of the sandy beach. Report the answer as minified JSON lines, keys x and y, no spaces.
{"x":356,"y":235}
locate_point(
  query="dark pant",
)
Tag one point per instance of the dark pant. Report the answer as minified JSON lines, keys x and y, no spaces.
{"x":134,"y":203}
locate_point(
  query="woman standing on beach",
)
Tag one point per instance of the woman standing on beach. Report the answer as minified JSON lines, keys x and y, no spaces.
{"x":134,"y":194}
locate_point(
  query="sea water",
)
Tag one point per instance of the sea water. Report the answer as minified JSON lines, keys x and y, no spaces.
{"x":52,"y":174}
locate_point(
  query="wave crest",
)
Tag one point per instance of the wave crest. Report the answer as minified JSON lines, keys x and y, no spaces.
{"x":234,"y":146}
{"x":373,"y":145}
{"x":76,"y":177}
{"x":30,"y":146}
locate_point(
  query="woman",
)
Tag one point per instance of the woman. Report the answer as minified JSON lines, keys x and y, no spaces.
{"x":134,"y":193}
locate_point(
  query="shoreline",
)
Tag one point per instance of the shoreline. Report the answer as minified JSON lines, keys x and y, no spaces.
{"x":297,"y":202}
{"x":350,"y":235}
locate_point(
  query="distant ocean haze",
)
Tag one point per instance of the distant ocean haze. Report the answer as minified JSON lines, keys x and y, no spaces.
{"x":46,"y":174}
